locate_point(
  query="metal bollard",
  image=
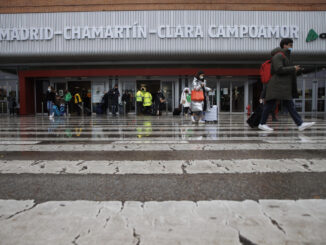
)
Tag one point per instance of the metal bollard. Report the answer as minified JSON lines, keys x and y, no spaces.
{"x":166,"y":108}
{"x":82,"y":109}
{"x":42,"y":110}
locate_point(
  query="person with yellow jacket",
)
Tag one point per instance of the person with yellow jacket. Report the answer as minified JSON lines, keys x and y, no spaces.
{"x":77,"y":103}
{"x":147,"y":102}
{"x":139,"y":99}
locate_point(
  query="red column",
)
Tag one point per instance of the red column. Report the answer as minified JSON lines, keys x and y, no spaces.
{"x":26,"y":95}
{"x":22,"y":94}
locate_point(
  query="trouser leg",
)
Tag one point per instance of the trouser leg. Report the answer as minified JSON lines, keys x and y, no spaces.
{"x":268,"y":106}
{"x":293,"y":113}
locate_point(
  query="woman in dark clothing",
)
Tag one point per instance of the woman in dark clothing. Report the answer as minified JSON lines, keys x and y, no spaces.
{"x":126,"y":99}
{"x":159,"y":101}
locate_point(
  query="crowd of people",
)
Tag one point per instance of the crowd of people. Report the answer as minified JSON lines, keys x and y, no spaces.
{"x":75,"y":102}
{"x":281,"y":87}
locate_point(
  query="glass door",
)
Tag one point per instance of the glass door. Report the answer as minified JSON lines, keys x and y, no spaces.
{"x":60,"y":88}
{"x":298,"y":102}
{"x":8,"y":95}
{"x":167,"y":89}
{"x":211,"y":83}
{"x":3,"y":97}
{"x":129,"y":93}
{"x":225,"y":96}
{"x":238,"y":96}
{"x":320,"y":94}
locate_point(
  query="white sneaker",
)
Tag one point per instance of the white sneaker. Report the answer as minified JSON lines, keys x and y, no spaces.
{"x":51,"y":116}
{"x":193,"y":119}
{"x":201,"y":121}
{"x":264,"y":127}
{"x":303,"y":126}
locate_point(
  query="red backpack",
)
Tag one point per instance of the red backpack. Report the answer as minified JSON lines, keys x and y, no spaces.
{"x":265,"y":70}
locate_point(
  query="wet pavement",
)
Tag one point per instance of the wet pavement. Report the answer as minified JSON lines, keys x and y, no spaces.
{"x":169,"y":162}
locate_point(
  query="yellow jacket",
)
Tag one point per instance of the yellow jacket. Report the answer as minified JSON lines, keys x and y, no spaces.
{"x":147,"y":99}
{"x":139,"y":96}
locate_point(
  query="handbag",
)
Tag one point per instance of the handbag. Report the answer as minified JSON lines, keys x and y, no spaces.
{"x":197,"y":95}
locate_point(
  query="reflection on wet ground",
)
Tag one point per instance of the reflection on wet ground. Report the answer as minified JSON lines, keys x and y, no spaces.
{"x":105,"y":129}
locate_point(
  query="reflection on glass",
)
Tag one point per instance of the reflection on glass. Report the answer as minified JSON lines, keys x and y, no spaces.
{"x":321,"y":73}
{"x":167,"y":92}
{"x":237,"y":96}
{"x":298,"y":105}
{"x":308,"y":91}
{"x":225,"y":96}
{"x":321,"y":105}
{"x":212,"y":94}
{"x":308,"y":105}
{"x":300,"y":87}
{"x":321,"y":89}
{"x":129,"y":89}
{"x":3,"y":90}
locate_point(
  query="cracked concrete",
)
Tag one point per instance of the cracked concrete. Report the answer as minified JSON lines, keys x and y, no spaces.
{"x":170,"y":222}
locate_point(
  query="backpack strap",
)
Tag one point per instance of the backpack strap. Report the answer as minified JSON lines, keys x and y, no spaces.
{"x":280,"y":53}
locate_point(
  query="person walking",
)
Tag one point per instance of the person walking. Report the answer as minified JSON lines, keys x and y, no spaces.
{"x":67,"y":99}
{"x":147,"y":103}
{"x":105,"y":102}
{"x":126,"y":99}
{"x":114,"y":97}
{"x":185,"y":100}
{"x":282,"y":85}
{"x":197,"y":106}
{"x":50,"y":100}
{"x":77,"y":103}
{"x":139,"y":99}
{"x":159,"y":101}
{"x":12,"y":104}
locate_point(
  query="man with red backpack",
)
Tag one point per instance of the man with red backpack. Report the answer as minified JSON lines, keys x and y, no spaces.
{"x":282,"y":86}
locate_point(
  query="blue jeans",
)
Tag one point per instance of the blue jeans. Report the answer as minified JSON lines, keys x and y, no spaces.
{"x":49,"y":106}
{"x":114,"y":109}
{"x":270,"y":105}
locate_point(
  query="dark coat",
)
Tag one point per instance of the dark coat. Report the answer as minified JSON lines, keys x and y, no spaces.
{"x":114,"y":96}
{"x":283,"y":84}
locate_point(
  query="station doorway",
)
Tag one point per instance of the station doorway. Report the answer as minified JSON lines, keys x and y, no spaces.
{"x":84,"y":90}
{"x":151,"y":86}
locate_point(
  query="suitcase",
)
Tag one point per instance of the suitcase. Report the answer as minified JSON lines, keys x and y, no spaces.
{"x":98,"y":109}
{"x":211,"y":115}
{"x":176,"y":112}
{"x":254,"y":120}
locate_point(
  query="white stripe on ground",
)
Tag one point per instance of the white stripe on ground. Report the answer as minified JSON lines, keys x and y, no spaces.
{"x":172,"y":222}
{"x":163,"y":167}
{"x":162,"y":147}
{"x":172,"y":132}
{"x":184,"y":139}
{"x":20,"y":142}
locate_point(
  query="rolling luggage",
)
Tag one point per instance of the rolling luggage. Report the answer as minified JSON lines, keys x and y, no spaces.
{"x":211,"y":115}
{"x":176,"y":112}
{"x":99,"y":109}
{"x":254,"y":120}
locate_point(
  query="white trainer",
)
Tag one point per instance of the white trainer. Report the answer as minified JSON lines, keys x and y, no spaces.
{"x":303,"y":126}
{"x":201,"y":121}
{"x":193,"y":119}
{"x":264,"y":127}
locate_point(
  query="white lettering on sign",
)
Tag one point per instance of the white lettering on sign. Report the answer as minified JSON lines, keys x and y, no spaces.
{"x":137,"y":31}
{"x":253,"y":31}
